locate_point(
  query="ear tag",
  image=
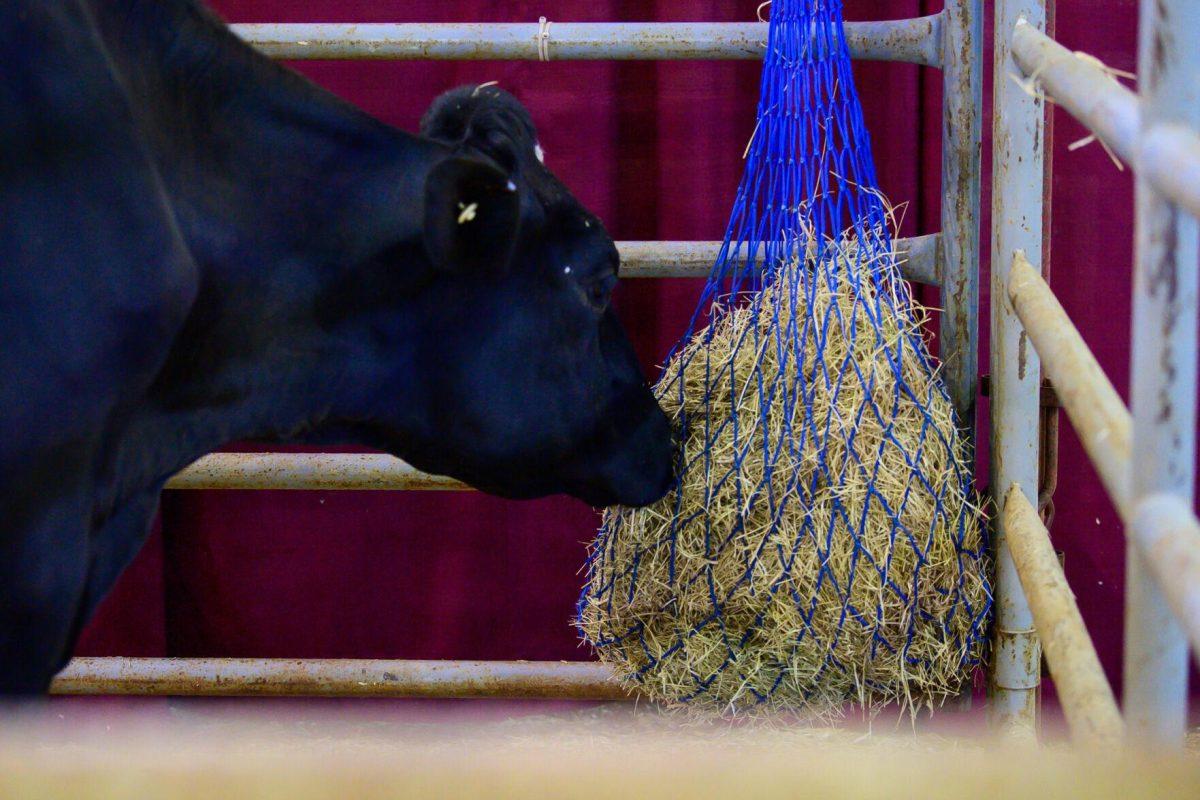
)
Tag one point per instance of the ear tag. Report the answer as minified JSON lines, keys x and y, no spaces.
{"x":466,"y":213}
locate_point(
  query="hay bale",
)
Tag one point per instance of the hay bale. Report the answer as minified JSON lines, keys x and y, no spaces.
{"x":827,"y":548}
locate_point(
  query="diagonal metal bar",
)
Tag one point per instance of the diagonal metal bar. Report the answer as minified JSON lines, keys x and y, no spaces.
{"x":1083,"y":689}
{"x":1166,"y":154}
{"x":1099,"y":417}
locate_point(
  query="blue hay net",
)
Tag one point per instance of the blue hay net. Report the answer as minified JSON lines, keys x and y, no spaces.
{"x":808,"y":197}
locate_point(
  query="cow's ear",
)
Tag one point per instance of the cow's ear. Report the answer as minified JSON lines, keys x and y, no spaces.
{"x":483,"y":119}
{"x":471,"y":215}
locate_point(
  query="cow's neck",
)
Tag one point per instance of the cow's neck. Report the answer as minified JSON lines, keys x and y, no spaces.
{"x":255,"y":157}
{"x":285,"y":196}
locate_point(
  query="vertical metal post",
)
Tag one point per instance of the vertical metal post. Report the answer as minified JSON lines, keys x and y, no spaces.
{"x":1017,"y":190}
{"x":958,"y":256}
{"x":1163,"y":372}
{"x":962,"y":108}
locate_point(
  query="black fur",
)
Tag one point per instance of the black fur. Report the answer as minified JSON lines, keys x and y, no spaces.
{"x":199,"y":246}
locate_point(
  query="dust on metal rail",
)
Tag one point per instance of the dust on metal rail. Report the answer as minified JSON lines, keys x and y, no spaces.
{"x":917,"y":258}
{"x":1096,"y":411}
{"x":916,"y":40}
{"x":279,"y":677}
{"x":1086,"y":696}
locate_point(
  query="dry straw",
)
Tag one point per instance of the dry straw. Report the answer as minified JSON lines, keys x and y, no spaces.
{"x":827,"y":548}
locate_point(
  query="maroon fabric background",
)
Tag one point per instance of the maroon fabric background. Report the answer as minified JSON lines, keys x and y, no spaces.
{"x":654,"y":149}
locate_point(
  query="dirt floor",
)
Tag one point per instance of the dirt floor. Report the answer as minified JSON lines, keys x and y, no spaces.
{"x":80,"y":748}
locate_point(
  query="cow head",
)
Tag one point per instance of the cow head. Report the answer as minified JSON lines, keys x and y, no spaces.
{"x":531,"y":386}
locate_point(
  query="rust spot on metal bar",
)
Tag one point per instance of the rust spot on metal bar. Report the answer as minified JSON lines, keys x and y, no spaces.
{"x":1165,"y":278}
{"x":1160,"y":43}
{"x":1047,"y":462}
{"x":1022,"y":344}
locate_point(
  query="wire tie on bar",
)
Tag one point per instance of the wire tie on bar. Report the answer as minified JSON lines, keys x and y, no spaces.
{"x":543,"y":39}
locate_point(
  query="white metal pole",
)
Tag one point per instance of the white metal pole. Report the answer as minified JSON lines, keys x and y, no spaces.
{"x":1018,"y":158}
{"x":1169,"y":157}
{"x":914,"y":40}
{"x":1167,"y":534}
{"x":1163,"y":372}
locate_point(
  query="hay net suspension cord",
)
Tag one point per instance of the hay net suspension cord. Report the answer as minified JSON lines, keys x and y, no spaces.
{"x":808,"y":223}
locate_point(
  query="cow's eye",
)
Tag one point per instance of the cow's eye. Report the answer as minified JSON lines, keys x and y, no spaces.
{"x":600,"y":290}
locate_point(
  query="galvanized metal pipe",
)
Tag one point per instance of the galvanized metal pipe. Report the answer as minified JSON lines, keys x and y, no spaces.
{"x":1167,"y":155}
{"x":1083,"y":690}
{"x":1167,"y":534}
{"x":917,"y":257}
{"x":313,"y":471}
{"x":1099,"y":417}
{"x":962,"y":110}
{"x":958,"y":252}
{"x":1163,"y":378}
{"x":1017,"y":192}
{"x":1080,"y":85}
{"x":266,"y":677}
{"x":913,"y":40}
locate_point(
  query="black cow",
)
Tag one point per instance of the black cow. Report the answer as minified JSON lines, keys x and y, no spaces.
{"x":199,"y":246}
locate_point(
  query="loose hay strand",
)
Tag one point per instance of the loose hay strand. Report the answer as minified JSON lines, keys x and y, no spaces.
{"x":822,"y":546}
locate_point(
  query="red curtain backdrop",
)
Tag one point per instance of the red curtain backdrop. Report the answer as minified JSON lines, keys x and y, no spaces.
{"x":655,"y":150}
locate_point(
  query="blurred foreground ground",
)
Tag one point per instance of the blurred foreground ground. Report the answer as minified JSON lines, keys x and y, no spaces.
{"x":83,"y":748}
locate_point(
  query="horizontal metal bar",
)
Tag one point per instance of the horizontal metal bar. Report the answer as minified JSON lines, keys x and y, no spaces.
{"x":916,"y":256}
{"x":325,"y":471}
{"x":914,"y":40}
{"x":918,"y":259}
{"x":268,"y":677}
{"x":1083,"y":689}
{"x":1097,"y":413}
{"x":1167,"y":533}
{"x":1079,"y":84}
